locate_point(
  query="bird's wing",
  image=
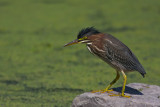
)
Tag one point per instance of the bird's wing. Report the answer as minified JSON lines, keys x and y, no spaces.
{"x":119,"y":53}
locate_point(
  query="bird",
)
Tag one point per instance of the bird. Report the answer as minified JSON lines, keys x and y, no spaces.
{"x":113,"y":52}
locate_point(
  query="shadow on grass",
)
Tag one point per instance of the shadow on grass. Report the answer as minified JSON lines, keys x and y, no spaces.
{"x":38,"y":89}
{"x":128,"y":90}
{"x":9,"y":82}
{"x":4,"y":3}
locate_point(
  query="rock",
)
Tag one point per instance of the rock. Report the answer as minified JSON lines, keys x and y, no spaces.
{"x":143,"y":95}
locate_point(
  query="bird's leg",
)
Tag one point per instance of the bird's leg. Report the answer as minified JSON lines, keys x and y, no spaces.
{"x":123,"y":88}
{"x":113,"y":82}
{"x":109,"y":86}
{"x":124,"y":84}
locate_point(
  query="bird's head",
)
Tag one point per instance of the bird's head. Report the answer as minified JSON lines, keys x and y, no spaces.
{"x":84,"y":36}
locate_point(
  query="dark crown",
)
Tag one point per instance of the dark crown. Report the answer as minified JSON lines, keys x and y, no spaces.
{"x":87,"y":32}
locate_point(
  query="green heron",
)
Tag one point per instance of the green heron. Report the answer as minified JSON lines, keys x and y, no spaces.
{"x":112,"y":51}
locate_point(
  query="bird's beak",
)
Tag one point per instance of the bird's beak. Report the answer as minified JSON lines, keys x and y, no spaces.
{"x":72,"y":43}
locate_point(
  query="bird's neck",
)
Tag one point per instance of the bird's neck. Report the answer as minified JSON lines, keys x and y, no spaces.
{"x":89,"y":47}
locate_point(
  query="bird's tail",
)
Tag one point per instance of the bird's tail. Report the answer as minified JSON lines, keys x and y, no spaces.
{"x":141,"y":70}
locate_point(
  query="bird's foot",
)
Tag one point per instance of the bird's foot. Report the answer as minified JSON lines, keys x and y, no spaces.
{"x":103,"y":91}
{"x":121,"y":95}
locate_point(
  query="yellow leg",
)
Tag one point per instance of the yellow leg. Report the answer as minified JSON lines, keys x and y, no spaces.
{"x":114,"y":81}
{"x":123,"y":88}
{"x":109,"y":86}
{"x":124,"y":84}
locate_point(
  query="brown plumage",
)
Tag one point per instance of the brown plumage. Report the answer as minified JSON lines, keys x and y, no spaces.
{"x":112,"y":51}
{"x":115,"y":53}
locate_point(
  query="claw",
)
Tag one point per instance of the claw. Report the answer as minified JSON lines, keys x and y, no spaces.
{"x":102,"y":91}
{"x":126,"y":96}
{"x":122,"y":95}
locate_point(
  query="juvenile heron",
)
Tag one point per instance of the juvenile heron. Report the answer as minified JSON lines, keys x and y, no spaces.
{"x":112,"y":51}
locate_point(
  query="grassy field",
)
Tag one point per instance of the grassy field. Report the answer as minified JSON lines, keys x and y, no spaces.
{"x":37,"y":71}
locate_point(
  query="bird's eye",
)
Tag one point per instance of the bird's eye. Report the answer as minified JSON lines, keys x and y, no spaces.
{"x":83,"y":38}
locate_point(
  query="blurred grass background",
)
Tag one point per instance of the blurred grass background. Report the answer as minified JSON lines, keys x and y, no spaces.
{"x":35,"y":69}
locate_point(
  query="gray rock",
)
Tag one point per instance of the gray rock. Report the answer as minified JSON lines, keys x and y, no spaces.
{"x":143,"y":95}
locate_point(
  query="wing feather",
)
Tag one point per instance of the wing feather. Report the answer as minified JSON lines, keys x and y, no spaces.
{"x":120,"y":55}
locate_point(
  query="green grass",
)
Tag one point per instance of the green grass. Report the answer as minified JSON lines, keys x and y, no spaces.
{"x":35,"y":69}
